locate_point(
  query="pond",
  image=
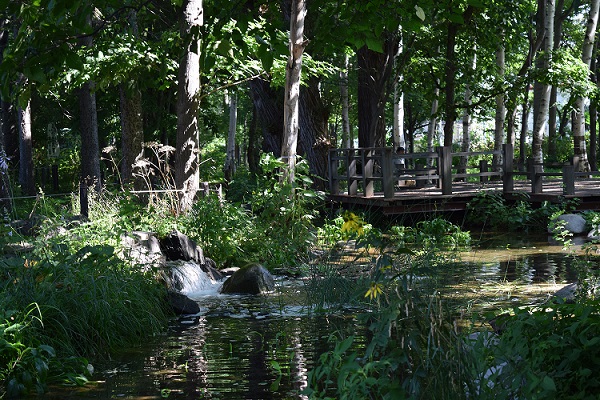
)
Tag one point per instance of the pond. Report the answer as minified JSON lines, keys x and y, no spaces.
{"x":262,"y":347}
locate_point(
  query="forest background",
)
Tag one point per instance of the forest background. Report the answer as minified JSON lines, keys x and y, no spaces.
{"x":159,"y":95}
{"x":206,"y":81}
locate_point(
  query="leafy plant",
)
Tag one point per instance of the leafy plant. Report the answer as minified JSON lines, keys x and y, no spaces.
{"x":546,"y":352}
{"x":25,"y":364}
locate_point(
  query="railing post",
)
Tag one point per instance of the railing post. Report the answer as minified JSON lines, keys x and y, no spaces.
{"x":536,"y":178}
{"x":508,"y":183}
{"x":387,"y":172}
{"x":351,"y":173}
{"x":568,"y":171}
{"x":334,"y":182}
{"x":367,"y":164}
{"x":445,"y":168}
{"x":483,"y":167}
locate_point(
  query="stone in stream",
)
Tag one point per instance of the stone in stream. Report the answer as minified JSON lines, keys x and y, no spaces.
{"x":574,"y":223}
{"x":251,"y":279}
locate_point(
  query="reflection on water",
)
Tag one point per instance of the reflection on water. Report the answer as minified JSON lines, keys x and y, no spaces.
{"x":246,"y":347}
{"x":526,"y":260}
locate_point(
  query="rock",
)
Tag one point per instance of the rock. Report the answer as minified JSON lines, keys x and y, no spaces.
{"x":182,"y":304}
{"x":142,"y":248}
{"x":594,"y":234}
{"x":177,"y":246}
{"x":251,"y":279}
{"x":28,"y":227}
{"x":566,"y":293}
{"x":575,"y":223}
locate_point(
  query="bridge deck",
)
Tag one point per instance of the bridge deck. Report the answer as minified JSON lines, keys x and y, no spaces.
{"x":431,"y":198}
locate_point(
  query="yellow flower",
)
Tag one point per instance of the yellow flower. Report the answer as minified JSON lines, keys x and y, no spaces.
{"x":352,"y":223}
{"x":375,"y":290}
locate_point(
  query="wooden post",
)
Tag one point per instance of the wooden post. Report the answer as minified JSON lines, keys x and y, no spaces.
{"x":83,"y":199}
{"x":536,"y":178}
{"x":568,"y":172}
{"x":483,"y":167}
{"x":387,"y":171}
{"x":508,"y":183}
{"x":367,"y":160}
{"x":334,"y":182}
{"x":445,"y":168}
{"x":352,"y":181}
{"x":419,"y":183}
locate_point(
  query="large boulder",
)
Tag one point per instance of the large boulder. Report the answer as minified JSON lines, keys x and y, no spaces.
{"x":182,"y":304}
{"x":574,"y":223}
{"x":142,"y":248}
{"x":178,"y":246}
{"x":251,"y":279}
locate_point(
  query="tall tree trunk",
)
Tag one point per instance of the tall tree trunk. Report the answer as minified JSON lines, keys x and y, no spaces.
{"x":132,"y":133}
{"x":132,"y":124}
{"x":552,"y":113}
{"x":254,"y":144}
{"x":500,"y":109}
{"x":269,"y":112}
{"x":315,"y":140}
{"x":543,"y":89}
{"x":90,"y":148}
{"x":5,"y":190}
{"x":229,"y":167}
{"x":188,"y":106}
{"x":579,"y":120}
{"x":292,"y":90}
{"x":450,"y":84}
{"x":466,"y":137}
{"x":524,"y":128}
{"x":26,"y":177}
{"x":432,"y":127}
{"x":374,"y":71}
{"x":346,"y":136}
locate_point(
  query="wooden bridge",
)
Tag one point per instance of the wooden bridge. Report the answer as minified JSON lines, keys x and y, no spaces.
{"x":435,"y":181}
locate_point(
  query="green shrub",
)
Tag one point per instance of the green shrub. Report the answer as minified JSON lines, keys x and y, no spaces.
{"x":433,"y":233}
{"x":546,"y":352}
{"x":493,"y":211}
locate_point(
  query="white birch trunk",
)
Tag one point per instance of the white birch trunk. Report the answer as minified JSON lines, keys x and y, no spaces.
{"x":292,"y":90}
{"x":188,"y":105}
{"x":500,"y":110}
{"x":541,"y":116}
{"x":25,"y":149}
{"x":346,"y":136}
{"x":579,"y":146}
{"x":431,"y":129}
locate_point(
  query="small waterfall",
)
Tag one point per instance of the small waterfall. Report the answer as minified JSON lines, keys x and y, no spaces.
{"x":189,"y":279}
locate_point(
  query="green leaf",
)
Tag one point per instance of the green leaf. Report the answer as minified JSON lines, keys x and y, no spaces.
{"x":420,"y":13}
{"x":375,"y":45}
{"x":548,"y":384}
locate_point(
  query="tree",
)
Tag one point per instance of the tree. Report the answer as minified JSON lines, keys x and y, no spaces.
{"x":542,"y":88}
{"x":26,"y":178}
{"x":578,"y":119}
{"x":132,"y":129}
{"x":292,"y":90}
{"x":229,"y":167}
{"x":188,"y":106}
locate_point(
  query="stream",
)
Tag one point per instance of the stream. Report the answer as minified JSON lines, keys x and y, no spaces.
{"x":263,"y":347}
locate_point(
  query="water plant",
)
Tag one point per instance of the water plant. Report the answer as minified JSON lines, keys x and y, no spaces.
{"x":490,"y":209}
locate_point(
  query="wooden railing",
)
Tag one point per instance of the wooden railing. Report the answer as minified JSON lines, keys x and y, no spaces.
{"x":365,"y":169}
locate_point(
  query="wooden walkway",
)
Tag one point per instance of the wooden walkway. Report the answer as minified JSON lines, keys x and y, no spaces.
{"x":369,"y":178}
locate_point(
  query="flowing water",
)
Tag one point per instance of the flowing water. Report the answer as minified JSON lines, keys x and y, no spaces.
{"x":262,"y":347}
